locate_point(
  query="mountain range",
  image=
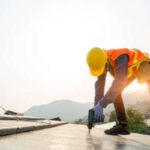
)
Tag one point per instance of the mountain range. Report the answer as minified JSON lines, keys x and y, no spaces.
{"x":67,"y":110}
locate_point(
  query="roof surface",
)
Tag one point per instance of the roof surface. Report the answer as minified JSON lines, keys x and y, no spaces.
{"x":73,"y":137}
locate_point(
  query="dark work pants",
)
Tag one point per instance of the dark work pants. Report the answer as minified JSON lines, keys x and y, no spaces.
{"x":119,"y":107}
{"x":120,"y":110}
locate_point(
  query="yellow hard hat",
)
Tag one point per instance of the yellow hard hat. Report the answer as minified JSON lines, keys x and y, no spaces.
{"x":96,"y":60}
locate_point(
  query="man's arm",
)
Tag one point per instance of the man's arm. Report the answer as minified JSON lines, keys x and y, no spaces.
{"x":99,"y":87}
{"x":119,"y":82}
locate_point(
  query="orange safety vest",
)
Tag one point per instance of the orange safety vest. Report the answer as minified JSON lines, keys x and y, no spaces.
{"x":136,"y":57}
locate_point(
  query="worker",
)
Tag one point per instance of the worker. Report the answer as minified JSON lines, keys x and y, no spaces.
{"x":124,"y":65}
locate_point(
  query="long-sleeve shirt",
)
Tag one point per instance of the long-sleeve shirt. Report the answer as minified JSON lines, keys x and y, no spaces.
{"x":120,"y":74}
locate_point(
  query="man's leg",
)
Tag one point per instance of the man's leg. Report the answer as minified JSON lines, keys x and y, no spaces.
{"x":120,"y":111}
{"x":148,"y":84}
{"x":122,"y":126}
{"x":119,"y":107}
{"x":143,"y":73}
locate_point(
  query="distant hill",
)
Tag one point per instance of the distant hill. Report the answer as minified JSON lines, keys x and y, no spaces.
{"x":65,"y":109}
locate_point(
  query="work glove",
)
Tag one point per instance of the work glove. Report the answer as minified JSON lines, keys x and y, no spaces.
{"x":98,"y":113}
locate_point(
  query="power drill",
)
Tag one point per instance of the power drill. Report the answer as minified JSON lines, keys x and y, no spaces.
{"x":91,"y":119}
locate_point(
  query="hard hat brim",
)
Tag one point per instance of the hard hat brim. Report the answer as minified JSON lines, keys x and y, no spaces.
{"x":97,"y":72}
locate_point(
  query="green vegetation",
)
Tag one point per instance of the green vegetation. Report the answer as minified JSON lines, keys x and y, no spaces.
{"x":136,"y":121}
{"x":112,"y":116}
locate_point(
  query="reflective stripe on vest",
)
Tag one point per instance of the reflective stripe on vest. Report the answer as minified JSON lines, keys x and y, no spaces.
{"x":136,"y":64}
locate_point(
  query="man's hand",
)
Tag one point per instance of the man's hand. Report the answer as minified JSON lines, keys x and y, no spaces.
{"x":98,"y":113}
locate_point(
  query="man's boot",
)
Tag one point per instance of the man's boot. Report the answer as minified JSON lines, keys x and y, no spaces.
{"x":118,"y":129}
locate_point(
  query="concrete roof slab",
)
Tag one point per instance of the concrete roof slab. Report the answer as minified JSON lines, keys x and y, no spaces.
{"x":73,"y":137}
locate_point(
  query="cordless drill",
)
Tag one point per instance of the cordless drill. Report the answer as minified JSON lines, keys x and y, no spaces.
{"x":91,"y":119}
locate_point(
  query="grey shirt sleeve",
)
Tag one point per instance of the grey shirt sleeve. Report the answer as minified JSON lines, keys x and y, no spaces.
{"x":119,"y":82}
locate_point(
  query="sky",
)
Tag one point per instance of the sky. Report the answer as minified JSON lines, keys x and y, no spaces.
{"x":44,"y":43}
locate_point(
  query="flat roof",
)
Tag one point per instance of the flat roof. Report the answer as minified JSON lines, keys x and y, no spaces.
{"x":73,"y":137}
